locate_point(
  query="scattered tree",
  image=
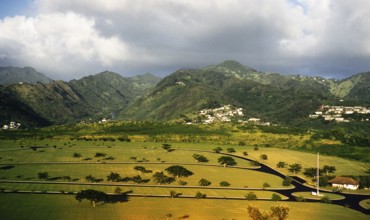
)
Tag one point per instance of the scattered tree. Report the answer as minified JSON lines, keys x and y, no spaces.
{"x":99,"y":154}
{"x":263,"y":157}
{"x":281,"y":164}
{"x":287,"y":181}
{"x":92,"y":195}
{"x":225,"y":160}
{"x":245,"y":153}
{"x":224,"y":183}
{"x":200,"y":195}
{"x":265,"y":185}
{"x":161,"y":178}
{"x":204,"y":182}
{"x":167,"y":147}
{"x":310,"y":172}
{"x":217,"y":149}
{"x":329,"y":169}
{"x":251,"y":196}
{"x":114,"y":177}
{"x":242,"y":143}
{"x":182,"y":182}
{"x":295,"y":168}
{"x":256,"y":214}
{"x":231,"y":150}
{"x":200,"y":158}
{"x":77,"y":155}
{"x":255,"y":148}
{"x":179,"y":171}
{"x":275,"y":197}
{"x":43,"y":176}
{"x":117,"y":190}
{"x":280,"y":212}
{"x":174,"y":194}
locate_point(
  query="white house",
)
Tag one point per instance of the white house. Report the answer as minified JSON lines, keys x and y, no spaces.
{"x":344,"y":182}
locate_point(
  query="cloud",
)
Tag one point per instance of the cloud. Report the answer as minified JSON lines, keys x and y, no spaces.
{"x":75,"y":38}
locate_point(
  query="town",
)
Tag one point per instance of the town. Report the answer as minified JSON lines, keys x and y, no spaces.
{"x":342,"y":113}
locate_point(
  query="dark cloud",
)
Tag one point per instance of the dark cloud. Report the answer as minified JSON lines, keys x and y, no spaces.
{"x":70,"y":39}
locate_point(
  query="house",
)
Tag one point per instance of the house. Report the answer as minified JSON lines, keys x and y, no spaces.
{"x":344,"y":182}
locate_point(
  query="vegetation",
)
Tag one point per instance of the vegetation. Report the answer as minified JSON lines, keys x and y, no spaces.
{"x":204,"y":182}
{"x":226,"y":161}
{"x":200,"y":158}
{"x":278,"y":212}
{"x":179,"y":171}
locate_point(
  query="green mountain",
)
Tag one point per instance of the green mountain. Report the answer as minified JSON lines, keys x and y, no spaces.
{"x":12,"y":75}
{"x":94,"y":97}
{"x":270,"y":96}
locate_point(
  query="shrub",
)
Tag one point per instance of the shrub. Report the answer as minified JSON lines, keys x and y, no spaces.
{"x":275,"y":197}
{"x":251,"y":196}
{"x":224,"y":183}
{"x":204,"y":182}
{"x":287,"y":181}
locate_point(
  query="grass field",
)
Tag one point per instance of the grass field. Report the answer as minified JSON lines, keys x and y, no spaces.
{"x":66,"y":207}
{"x":308,"y":195}
{"x":39,"y":206}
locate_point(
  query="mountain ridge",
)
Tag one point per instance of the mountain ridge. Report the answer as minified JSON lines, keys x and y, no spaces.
{"x":271,"y":96}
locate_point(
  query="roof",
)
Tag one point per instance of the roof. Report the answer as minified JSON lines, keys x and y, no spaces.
{"x":343,"y":180}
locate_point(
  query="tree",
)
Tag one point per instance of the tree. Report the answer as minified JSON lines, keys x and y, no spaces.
{"x":200,"y":195}
{"x":179,"y":171}
{"x":224,"y":183}
{"x":92,"y":195}
{"x":230,"y":150}
{"x":142,"y":169}
{"x":76,"y":155}
{"x":275,"y":197}
{"x":251,"y":196}
{"x":204,"y":182}
{"x":310,"y":172}
{"x":43,"y":175}
{"x":295,"y":168}
{"x":225,"y":160}
{"x":200,"y":158}
{"x":245,"y":153}
{"x":287,"y":181}
{"x":167,"y":147}
{"x":281,"y":164}
{"x":256,"y":214}
{"x":279,"y":212}
{"x":161,"y":178}
{"x":217,"y":149}
{"x":174,"y":194}
{"x":263,"y":157}
{"x":99,"y":154}
{"x":329,"y":169}
{"x":242,"y":143}
{"x":266,"y":184}
{"x":117,"y":190}
{"x":114,"y":177}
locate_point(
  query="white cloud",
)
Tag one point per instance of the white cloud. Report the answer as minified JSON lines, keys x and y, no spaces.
{"x":160,"y":36}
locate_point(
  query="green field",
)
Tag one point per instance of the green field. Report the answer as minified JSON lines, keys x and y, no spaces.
{"x":19,"y":162}
{"x":67,"y":207}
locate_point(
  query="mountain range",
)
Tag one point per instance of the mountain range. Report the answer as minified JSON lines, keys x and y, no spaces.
{"x":39,"y":101}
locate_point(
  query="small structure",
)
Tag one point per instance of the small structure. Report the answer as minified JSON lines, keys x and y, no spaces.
{"x":344,"y":182}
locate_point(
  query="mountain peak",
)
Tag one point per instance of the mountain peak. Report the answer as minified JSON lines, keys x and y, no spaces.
{"x":12,"y":75}
{"x":231,"y":65}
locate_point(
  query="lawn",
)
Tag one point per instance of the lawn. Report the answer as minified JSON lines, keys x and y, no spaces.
{"x":66,"y":207}
{"x":308,"y":195}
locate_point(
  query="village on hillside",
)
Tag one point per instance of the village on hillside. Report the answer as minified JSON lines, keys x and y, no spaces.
{"x":341,"y":113}
{"x":226,"y":113}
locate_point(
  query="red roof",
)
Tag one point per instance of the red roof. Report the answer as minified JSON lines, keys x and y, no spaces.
{"x":344,"y":180}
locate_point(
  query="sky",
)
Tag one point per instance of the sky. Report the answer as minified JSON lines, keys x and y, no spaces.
{"x":69,"y":39}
